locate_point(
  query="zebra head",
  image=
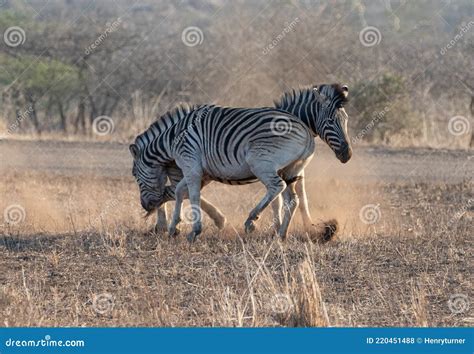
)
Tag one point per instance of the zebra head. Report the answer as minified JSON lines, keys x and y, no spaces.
{"x":321,"y":108}
{"x":331,"y":118}
{"x":150,"y":177}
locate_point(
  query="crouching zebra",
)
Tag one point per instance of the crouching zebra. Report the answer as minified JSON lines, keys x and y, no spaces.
{"x":236,"y":145}
{"x":173,"y":173}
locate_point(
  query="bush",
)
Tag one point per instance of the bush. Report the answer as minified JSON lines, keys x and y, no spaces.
{"x":381,"y":109}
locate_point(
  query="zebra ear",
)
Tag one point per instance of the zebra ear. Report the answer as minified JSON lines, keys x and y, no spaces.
{"x":345,"y":90}
{"x":133,"y":150}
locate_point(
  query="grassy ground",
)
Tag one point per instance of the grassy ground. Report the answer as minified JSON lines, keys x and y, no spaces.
{"x":81,"y":261}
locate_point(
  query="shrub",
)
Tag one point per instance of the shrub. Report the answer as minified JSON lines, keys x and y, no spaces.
{"x":382,"y":109}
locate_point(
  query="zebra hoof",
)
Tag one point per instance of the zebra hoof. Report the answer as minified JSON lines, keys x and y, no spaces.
{"x":249,"y":226}
{"x":220,"y":223}
{"x":192,"y":236}
{"x":174,"y":232}
{"x":159,"y":229}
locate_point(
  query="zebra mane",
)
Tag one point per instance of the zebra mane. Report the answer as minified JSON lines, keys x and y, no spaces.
{"x":291,"y":96}
{"x":179,"y":112}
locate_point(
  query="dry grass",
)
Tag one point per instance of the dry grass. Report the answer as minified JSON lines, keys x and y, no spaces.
{"x":77,"y":261}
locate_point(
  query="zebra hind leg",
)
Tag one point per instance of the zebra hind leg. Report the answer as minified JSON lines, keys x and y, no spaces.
{"x":303,"y":205}
{"x":176,"y":219}
{"x":275,"y":185}
{"x":214,"y":213}
{"x":276,"y":207}
{"x":289,"y":207}
{"x":194,"y":189}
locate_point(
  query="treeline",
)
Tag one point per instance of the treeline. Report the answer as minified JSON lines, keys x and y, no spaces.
{"x":64,"y":63}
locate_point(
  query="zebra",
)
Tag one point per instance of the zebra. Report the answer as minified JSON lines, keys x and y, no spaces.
{"x":294,"y":102}
{"x":234,"y":145}
{"x":173,"y":173}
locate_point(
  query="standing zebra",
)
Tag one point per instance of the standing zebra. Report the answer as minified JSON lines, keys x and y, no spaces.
{"x":303,"y":105}
{"x":235,"y":145}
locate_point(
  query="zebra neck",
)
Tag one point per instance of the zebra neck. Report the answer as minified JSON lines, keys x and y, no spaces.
{"x":158,"y":151}
{"x":303,"y":110}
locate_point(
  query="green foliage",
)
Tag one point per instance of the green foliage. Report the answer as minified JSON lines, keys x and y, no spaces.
{"x":39,"y":77}
{"x":382,"y":109}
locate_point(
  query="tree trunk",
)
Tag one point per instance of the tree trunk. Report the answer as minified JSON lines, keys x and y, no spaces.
{"x":33,"y":116}
{"x":80,"y":122}
{"x":471,"y":144}
{"x":62,"y":116}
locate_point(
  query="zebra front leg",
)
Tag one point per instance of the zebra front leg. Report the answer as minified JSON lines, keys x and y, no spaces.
{"x":303,"y":205}
{"x":194,"y":190}
{"x":290,"y":203}
{"x":275,"y":185}
{"x":161,"y":220}
{"x":179,"y":195}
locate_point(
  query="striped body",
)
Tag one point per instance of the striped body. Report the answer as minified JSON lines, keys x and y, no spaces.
{"x":212,"y":143}
{"x":222,"y":138}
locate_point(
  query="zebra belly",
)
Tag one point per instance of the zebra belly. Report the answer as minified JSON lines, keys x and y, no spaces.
{"x":230,"y":173}
{"x":236,"y":182}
